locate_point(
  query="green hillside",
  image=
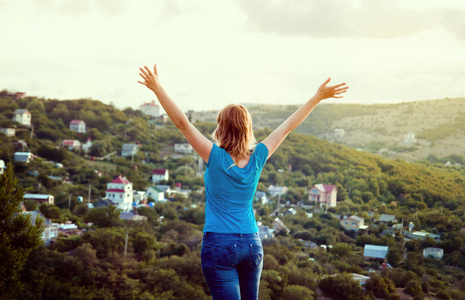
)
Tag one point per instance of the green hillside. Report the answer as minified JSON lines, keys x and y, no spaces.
{"x":162,"y":260}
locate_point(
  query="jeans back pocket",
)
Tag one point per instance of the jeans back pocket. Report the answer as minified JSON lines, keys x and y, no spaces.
{"x":224,"y":257}
{"x":256,"y":256}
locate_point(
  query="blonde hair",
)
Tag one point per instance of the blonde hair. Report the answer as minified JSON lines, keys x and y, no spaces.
{"x":234,"y":131}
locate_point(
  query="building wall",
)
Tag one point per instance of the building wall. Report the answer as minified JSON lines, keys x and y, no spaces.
{"x":24,"y":119}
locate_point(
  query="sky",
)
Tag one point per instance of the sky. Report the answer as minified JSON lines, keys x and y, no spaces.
{"x":212,"y":53}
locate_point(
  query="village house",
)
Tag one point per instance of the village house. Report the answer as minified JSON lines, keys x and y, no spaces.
{"x":120,"y":192}
{"x":129,"y":149}
{"x":156,"y":194}
{"x":375,"y":251}
{"x":72,"y":144}
{"x":40,"y":198}
{"x":361,"y":279}
{"x":353,"y":223}
{"x":2,"y":166}
{"x":265,"y":232}
{"x":129,"y":216}
{"x":50,"y":232}
{"x":180,"y":191}
{"x":339,"y":133}
{"x":277,"y":190}
{"x":103,"y":203}
{"x":20,"y":145}
{"x":387,"y":219}
{"x":421,"y":235}
{"x":409,"y":138}
{"x":16,"y":96}
{"x":22,"y":116}
{"x":139,"y":197}
{"x":25,"y":157}
{"x":150,"y":109}
{"x":279,"y":226}
{"x":159,"y":175}
{"x":261,"y":197}
{"x":78,"y":126}
{"x":8,"y":131}
{"x":324,"y":194}
{"x":86,"y":146}
{"x":184,"y":148}
{"x":436,"y":253}
{"x":69,"y":229}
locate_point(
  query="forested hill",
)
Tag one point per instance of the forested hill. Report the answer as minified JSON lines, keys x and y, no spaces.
{"x":370,"y":179}
{"x":163,"y":259}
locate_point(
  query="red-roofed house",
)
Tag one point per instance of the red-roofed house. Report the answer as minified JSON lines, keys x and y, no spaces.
{"x":150,"y":109}
{"x":158,"y":175}
{"x":324,"y":194}
{"x":72,"y":144}
{"x":78,"y":126}
{"x":120,"y":192}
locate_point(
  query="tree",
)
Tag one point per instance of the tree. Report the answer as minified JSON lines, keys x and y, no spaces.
{"x":104,"y":216}
{"x":19,"y":237}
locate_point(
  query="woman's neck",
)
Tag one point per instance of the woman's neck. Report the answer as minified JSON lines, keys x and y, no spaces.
{"x":241,"y":162}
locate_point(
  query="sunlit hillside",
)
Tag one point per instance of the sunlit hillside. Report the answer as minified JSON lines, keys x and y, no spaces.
{"x":438,"y":126}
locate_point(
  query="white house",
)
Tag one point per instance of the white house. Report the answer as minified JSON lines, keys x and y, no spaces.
{"x":50,"y":229}
{"x":78,"y":126}
{"x":22,"y":116}
{"x":261,"y":196}
{"x":139,"y":197}
{"x":120,"y":192}
{"x":2,"y":166}
{"x":156,"y":194}
{"x":159,"y":175}
{"x":185,"y":148}
{"x":353,"y":223}
{"x":40,"y":198}
{"x":375,"y":251}
{"x":129,"y":216}
{"x":436,"y":253}
{"x":8,"y":131}
{"x":338,"y":133}
{"x":129,"y":149}
{"x":87,"y":145}
{"x":23,"y":157}
{"x":421,"y":235}
{"x":150,"y":109}
{"x":324,"y":194}
{"x":409,"y":138}
{"x":277,"y":190}
{"x":72,"y":144}
{"x":265,"y":232}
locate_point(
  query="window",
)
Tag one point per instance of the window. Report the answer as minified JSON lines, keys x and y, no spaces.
{"x":120,"y":196}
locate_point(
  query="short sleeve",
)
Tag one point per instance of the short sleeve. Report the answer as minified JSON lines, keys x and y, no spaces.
{"x":213,"y":158}
{"x":262,"y":154}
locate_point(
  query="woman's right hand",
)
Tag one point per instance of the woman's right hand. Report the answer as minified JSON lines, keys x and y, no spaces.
{"x":150,"y":79}
{"x":335,"y":91}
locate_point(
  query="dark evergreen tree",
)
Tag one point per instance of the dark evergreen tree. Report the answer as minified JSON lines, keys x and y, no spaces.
{"x":18,"y":237}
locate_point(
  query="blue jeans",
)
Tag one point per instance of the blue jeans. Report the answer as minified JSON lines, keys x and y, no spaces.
{"x":232,"y":264}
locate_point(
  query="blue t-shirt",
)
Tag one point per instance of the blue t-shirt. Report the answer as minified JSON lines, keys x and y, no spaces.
{"x":230,"y":191}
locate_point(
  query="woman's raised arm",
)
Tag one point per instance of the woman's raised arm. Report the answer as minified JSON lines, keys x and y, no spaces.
{"x":198,"y":141}
{"x":275,"y":139}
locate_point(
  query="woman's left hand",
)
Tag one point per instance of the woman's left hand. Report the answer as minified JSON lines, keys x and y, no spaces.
{"x":150,"y":79}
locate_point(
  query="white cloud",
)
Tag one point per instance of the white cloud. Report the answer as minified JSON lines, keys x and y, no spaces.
{"x":342,"y":18}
